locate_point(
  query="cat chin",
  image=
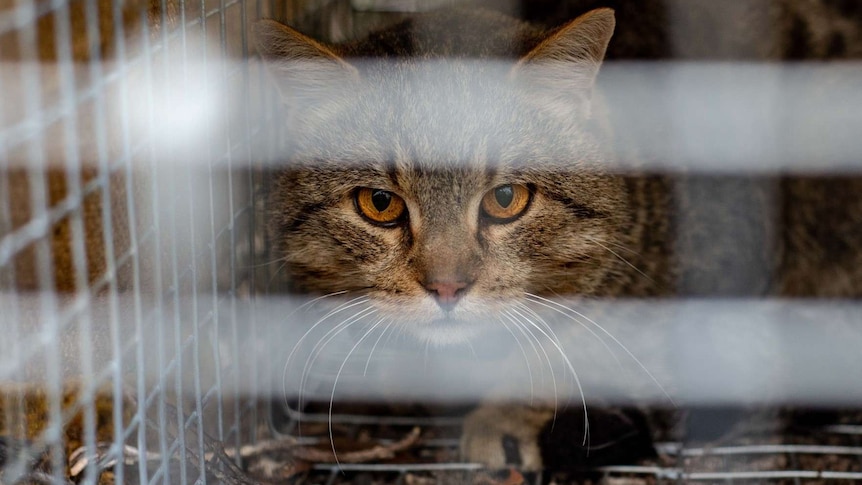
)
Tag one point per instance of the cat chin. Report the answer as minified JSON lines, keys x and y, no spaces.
{"x":448,"y":332}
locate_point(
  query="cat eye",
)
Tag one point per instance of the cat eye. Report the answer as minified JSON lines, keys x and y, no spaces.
{"x":505,"y":203}
{"x":380,"y":207}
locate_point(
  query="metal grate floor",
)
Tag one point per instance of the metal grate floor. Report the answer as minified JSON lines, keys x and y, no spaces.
{"x":818,"y":454}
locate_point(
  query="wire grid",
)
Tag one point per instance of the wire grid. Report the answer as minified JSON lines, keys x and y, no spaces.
{"x":821,"y":454}
{"x":89,"y":259}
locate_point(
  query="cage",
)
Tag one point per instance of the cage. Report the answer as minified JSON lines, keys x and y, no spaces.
{"x":146,"y":338}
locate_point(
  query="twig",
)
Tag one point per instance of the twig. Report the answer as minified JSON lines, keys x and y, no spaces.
{"x":379,"y":452}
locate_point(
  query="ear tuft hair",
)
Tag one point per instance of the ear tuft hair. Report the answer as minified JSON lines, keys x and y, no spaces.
{"x":304,"y":70}
{"x":566,"y":63}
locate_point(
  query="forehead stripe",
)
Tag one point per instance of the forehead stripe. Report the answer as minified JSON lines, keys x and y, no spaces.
{"x":579,"y":210}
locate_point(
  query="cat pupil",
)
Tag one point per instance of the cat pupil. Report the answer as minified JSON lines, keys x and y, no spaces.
{"x":381,"y":200}
{"x":504,"y":195}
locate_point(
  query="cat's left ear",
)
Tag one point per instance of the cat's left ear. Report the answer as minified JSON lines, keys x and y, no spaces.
{"x":563,"y":67}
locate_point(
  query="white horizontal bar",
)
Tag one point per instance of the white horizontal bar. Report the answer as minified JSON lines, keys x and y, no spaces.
{"x":721,"y":117}
{"x":722,"y":352}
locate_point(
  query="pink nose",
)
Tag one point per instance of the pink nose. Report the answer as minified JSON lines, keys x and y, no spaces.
{"x":447,"y":292}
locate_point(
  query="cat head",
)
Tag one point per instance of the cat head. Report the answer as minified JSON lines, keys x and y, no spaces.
{"x":444,"y":188}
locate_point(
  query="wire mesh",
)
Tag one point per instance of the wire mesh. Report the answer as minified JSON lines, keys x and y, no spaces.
{"x":91,"y":218}
{"x":816,"y":454}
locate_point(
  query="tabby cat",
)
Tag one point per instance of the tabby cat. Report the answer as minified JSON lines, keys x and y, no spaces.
{"x":447,"y":189}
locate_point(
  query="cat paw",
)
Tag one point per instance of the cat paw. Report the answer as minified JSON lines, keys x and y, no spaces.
{"x":501,"y":436}
{"x":530,"y":438}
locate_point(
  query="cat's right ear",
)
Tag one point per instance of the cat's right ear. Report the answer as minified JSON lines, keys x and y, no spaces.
{"x":304,"y":70}
{"x":563,"y":67}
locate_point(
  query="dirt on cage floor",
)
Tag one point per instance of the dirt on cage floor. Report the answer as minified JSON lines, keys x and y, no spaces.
{"x":796,"y":446}
{"x":379,"y":447}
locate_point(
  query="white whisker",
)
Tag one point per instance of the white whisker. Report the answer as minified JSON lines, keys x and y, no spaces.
{"x":574,"y":374}
{"x":398,"y":333}
{"x":547,"y":359}
{"x":536,"y":319}
{"x":261,"y":265}
{"x":526,"y":359}
{"x":472,"y":350}
{"x":539,"y":299}
{"x":344,"y":306}
{"x":533,"y":346}
{"x":277,"y":271}
{"x":536,"y":316}
{"x":335,"y":384}
{"x":311,"y":302}
{"x":324,"y":341}
{"x":386,"y":329}
{"x":582,"y":324}
{"x":620,"y":246}
{"x":624,"y":260}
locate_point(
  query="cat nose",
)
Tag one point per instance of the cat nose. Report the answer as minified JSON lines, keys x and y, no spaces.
{"x":447,"y":293}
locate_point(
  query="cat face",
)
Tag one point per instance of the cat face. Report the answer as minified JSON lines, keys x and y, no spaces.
{"x":445,"y":190}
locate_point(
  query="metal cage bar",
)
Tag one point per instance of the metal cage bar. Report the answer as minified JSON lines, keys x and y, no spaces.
{"x":90,"y":88}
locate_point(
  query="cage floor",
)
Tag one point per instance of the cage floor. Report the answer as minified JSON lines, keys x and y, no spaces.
{"x":411,"y":446}
{"x":813,"y":446}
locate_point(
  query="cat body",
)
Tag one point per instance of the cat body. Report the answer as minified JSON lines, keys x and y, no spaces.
{"x":456,"y":163}
{"x":441,"y":121}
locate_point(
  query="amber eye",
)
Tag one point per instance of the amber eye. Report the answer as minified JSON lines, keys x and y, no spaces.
{"x":506,"y":202}
{"x":380,"y":206}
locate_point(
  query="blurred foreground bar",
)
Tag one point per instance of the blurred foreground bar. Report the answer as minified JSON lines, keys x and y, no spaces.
{"x":732,"y":351}
{"x":724,"y":117}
